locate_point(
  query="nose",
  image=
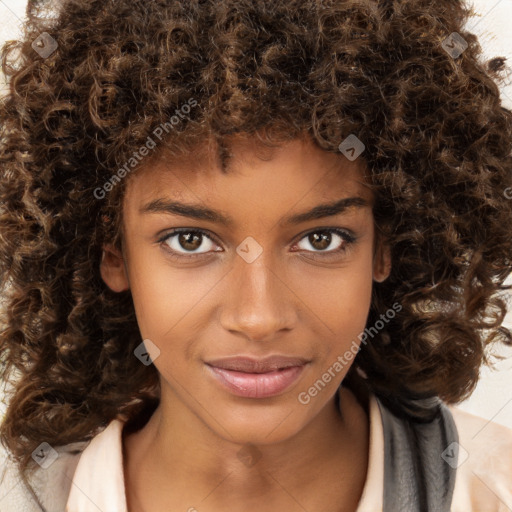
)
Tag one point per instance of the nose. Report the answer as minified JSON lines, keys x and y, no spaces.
{"x":259,"y":303}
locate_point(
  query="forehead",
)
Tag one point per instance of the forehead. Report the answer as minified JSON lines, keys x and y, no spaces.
{"x":286,"y":173}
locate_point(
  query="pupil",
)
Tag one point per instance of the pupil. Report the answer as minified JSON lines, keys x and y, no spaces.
{"x":185,"y":240}
{"x":325,"y":240}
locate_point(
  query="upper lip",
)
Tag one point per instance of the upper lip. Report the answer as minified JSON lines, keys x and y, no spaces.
{"x":253,"y":365}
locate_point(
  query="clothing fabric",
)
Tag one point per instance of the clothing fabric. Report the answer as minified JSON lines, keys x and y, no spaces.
{"x":416,"y":477}
{"x":89,"y":477}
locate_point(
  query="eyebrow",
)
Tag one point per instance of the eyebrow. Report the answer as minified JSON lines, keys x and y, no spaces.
{"x":204,"y":213}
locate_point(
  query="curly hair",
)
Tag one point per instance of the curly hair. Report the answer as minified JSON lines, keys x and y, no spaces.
{"x":438,"y":153}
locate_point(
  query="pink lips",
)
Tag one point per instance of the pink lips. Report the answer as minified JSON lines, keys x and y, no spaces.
{"x":257,"y":378}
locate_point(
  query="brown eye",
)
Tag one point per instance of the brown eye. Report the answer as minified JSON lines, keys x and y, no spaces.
{"x":321,"y":240}
{"x":188,"y":242}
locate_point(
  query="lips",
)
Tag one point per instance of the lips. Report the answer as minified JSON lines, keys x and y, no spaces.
{"x":250,"y":365}
{"x":257,"y":378}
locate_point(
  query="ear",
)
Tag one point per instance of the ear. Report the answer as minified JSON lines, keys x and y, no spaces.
{"x":113,"y":269}
{"x":382,"y":263}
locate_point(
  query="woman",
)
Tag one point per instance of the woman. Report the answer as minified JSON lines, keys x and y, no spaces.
{"x":253,"y":256}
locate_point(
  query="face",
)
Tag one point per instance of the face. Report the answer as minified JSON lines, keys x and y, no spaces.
{"x":248,"y":287}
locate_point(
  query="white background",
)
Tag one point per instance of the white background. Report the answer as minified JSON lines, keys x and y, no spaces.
{"x":492,"y":399}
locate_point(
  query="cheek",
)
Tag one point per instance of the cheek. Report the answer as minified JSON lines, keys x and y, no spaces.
{"x":155,"y":297}
{"x":340,"y":298}
{"x":168,"y":301}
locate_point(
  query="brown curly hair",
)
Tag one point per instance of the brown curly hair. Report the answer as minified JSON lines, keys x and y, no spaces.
{"x":438,"y":144}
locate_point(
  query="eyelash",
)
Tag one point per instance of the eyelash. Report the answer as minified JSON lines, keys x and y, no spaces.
{"x":349,"y":241}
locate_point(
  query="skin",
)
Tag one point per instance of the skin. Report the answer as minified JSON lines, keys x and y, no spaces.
{"x":295,"y":299}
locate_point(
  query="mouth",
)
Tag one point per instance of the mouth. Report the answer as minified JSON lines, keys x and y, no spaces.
{"x":257,"y":378}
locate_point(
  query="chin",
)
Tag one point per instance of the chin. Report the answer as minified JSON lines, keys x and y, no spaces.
{"x":255,"y":426}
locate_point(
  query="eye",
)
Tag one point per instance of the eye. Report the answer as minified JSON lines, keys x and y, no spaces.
{"x":187,"y":242}
{"x":321,"y":240}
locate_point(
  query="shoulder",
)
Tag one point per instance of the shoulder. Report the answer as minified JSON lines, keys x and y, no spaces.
{"x":49,"y":484}
{"x":484,"y":466}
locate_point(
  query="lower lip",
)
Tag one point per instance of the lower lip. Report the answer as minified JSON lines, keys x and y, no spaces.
{"x":257,"y":385}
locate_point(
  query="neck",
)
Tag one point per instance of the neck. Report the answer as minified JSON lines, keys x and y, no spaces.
{"x":330,"y":453}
